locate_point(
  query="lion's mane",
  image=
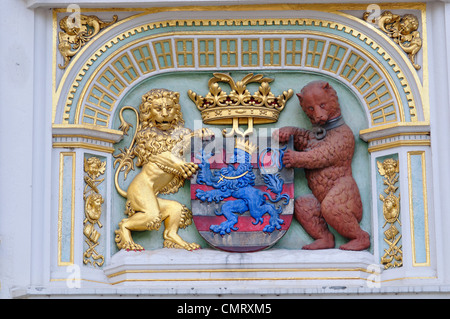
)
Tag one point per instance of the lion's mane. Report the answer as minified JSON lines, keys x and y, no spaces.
{"x":150,"y":140}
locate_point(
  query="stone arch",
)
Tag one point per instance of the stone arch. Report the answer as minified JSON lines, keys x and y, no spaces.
{"x":133,"y":51}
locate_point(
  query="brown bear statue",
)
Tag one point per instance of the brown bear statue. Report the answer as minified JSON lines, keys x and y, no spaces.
{"x":325,"y":153}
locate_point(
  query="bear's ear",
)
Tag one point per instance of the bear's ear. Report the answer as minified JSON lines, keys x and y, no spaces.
{"x":326,"y":86}
{"x":300,"y":97}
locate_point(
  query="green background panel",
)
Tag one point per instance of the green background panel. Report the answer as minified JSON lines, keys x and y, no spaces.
{"x":418,"y":209}
{"x":292,"y":115}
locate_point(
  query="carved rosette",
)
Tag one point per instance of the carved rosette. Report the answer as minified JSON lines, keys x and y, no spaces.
{"x":393,"y":256}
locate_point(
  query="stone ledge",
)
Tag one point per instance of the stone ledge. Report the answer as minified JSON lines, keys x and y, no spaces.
{"x":216,"y":292}
{"x":208,"y":273}
{"x":291,"y":267}
{"x":33,"y":4}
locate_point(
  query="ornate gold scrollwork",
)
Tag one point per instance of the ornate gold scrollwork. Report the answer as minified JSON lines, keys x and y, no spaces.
{"x":239,"y":106}
{"x":93,"y":209}
{"x":403,"y":30}
{"x":391,"y":212}
{"x":75,"y":35}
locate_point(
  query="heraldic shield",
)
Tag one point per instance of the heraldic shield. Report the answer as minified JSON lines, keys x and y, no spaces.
{"x":242,"y":196}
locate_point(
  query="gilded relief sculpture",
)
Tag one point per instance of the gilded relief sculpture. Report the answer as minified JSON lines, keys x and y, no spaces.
{"x":393,"y":256}
{"x":159,"y":143}
{"x":240,"y":106}
{"x":403,"y":30}
{"x":325,"y":153}
{"x":93,"y":209}
{"x":76,"y":33}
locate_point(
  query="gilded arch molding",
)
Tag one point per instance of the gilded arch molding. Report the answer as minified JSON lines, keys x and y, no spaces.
{"x":319,"y":52}
{"x":408,"y":82}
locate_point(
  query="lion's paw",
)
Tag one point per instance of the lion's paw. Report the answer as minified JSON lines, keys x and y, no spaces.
{"x":132,"y":246}
{"x":188,"y":246}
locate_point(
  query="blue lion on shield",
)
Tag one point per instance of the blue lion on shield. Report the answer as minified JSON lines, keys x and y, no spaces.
{"x":239,"y":183}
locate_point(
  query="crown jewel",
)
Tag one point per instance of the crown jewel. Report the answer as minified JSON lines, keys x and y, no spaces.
{"x":218,"y":107}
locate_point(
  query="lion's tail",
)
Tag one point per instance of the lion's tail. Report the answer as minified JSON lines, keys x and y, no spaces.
{"x":125,"y":157}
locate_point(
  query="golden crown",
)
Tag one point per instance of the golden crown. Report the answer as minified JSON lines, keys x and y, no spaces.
{"x":245,"y":145}
{"x":218,"y":107}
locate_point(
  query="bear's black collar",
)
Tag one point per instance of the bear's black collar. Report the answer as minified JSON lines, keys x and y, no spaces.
{"x":320,"y":131}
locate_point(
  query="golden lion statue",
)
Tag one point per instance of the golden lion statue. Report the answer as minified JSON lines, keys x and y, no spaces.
{"x":159,"y":143}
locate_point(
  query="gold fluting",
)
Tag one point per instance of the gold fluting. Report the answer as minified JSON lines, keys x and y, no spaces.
{"x":159,"y":143}
{"x":93,"y":168}
{"x":75,"y":35}
{"x":389,"y":169}
{"x":239,"y":106}
{"x":403,"y":30}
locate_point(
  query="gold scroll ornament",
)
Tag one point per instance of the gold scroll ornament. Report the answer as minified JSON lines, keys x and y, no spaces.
{"x":93,"y":209}
{"x":393,"y":256}
{"x":76,"y":32}
{"x":239,"y":106}
{"x":403,"y":30}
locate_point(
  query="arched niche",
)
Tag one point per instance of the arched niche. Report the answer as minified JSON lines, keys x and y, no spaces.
{"x":388,"y":110}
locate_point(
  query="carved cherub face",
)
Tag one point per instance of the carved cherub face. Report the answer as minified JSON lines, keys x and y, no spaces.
{"x":319,"y":101}
{"x":390,"y":167}
{"x":73,"y":27}
{"x":408,"y":24}
{"x":93,"y":207}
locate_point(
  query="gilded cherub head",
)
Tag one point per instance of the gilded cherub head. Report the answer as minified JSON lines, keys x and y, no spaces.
{"x":388,"y":168}
{"x":408,"y":24}
{"x":94,"y":167}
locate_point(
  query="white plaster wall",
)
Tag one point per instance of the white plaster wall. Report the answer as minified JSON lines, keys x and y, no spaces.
{"x":16,"y":143}
{"x":170,"y":3}
{"x":439,"y":64}
{"x":25,"y":144}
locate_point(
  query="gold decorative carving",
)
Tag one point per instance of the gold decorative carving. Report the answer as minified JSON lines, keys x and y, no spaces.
{"x":391,"y":212}
{"x":403,"y":30}
{"x":93,"y":209}
{"x":159,"y":143}
{"x":239,"y":106}
{"x":75,"y":35}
